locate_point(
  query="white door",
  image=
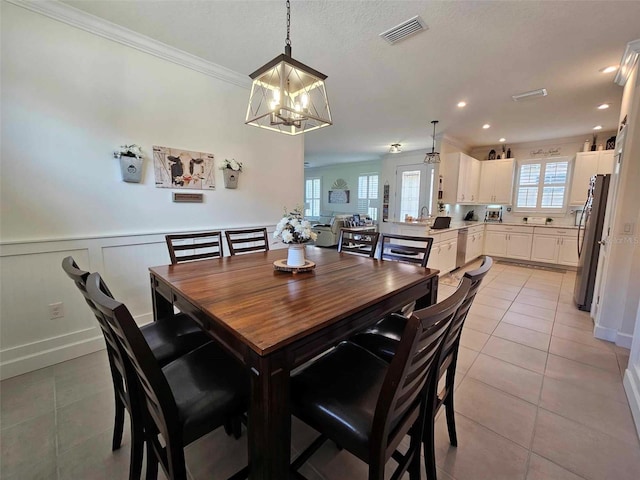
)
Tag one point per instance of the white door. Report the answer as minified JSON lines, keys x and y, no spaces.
{"x":503,"y":182}
{"x":568,"y":252}
{"x":413,"y":187}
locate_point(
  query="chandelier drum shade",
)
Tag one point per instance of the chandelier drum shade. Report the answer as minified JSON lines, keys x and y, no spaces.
{"x":288,"y":96}
{"x":433,"y":156}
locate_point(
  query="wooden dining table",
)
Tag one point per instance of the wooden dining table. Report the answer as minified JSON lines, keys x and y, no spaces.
{"x":274,"y":321}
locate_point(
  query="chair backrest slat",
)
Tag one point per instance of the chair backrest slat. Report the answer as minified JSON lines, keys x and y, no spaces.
{"x":247,"y":240}
{"x":475,"y":278}
{"x":412,"y":372}
{"x":358,"y":242}
{"x":406,"y":248}
{"x":152,"y":384}
{"x":203,"y":244}
{"x":121,"y":383}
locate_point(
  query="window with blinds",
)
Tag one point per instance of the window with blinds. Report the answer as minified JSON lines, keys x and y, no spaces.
{"x":312,"y":197}
{"x":368,"y":195}
{"x":542,"y":185}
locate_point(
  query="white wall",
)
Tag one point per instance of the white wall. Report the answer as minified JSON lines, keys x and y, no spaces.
{"x":69,"y":99}
{"x":350,"y":173}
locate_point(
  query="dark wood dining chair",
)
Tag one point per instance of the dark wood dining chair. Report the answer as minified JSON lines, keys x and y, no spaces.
{"x":168,"y":338}
{"x":383,"y":339}
{"x":358,"y":242}
{"x":247,"y":240}
{"x":185,"y":247}
{"x":406,"y":248}
{"x":181,"y":401}
{"x":367,"y":405}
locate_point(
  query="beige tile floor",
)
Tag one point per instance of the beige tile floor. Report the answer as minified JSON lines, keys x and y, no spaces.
{"x":537,"y":398}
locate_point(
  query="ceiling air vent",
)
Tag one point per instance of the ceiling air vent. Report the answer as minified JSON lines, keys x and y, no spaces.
{"x":404,"y":30}
{"x":542,"y":92}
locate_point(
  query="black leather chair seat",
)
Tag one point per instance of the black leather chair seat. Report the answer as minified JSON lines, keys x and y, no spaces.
{"x":209,"y":386}
{"x":383,"y":338}
{"x":169,"y":338}
{"x":337,"y":395}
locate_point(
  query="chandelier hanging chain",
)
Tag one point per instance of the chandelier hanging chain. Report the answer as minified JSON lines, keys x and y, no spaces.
{"x":288,"y":40}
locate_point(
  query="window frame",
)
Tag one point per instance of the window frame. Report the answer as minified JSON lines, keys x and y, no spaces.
{"x":308,"y":199}
{"x":543,"y":162}
{"x":369,"y":208}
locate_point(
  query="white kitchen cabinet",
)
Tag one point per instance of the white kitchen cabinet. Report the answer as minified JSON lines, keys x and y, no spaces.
{"x":555,"y":245}
{"x":496,"y":181}
{"x":443,"y":252}
{"x":508,"y":241}
{"x":474,"y":245}
{"x":586,"y":165}
{"x":460,"y":178}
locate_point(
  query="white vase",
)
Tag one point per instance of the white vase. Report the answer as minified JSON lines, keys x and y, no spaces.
{"x":295,"y":256}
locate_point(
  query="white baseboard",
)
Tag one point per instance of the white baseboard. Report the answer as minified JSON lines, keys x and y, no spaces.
{"x":632,"y":388}
{"x":44,"y":353}
{"x":613,"y":335}
{"x":27,"y":358}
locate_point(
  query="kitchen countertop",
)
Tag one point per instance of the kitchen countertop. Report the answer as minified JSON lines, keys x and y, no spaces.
{"x":459,"y":225}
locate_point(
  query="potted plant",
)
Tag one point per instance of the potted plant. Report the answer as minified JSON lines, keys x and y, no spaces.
{"x":131,"y":161}
{"x":548,"y":220}
{"x":231,"y":170}
{"x":295,"y":231}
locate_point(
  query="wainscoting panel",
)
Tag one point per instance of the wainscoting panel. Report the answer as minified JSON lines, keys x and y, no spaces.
{"x":32,"y":278}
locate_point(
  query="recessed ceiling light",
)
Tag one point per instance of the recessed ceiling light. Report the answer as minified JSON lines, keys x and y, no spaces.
{"x":486,"y":125}
{"x":503,"y":140}
{"x":462,"y":104}
{"x":604,"y":106}
{"x":598,"y":127}
{"x":610,"y":69}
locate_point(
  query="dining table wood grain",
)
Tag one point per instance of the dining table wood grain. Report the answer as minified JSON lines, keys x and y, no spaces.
{"x":274,"y":321}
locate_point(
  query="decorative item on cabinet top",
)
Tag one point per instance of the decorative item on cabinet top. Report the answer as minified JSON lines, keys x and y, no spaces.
{"x":492,"y":155}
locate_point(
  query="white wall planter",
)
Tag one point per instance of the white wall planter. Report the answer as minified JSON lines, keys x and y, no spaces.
{"x":231,"y":178}
{"x":131,"y":169}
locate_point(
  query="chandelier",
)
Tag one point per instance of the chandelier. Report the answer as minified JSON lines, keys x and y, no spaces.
{"x":288,"y":96}
{"x":433,"y":156}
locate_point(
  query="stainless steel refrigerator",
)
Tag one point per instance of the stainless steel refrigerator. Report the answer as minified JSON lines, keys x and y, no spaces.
{"x":589,"y":236}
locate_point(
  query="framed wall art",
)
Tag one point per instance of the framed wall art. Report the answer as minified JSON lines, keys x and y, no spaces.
{"x":183,"y":169}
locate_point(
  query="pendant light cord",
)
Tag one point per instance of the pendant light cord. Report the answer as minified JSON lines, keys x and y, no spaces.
{"x":287,"y":42}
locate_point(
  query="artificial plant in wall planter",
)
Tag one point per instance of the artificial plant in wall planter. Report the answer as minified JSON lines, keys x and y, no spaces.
{"x":231,"y":170}
{"x":131,"y":162}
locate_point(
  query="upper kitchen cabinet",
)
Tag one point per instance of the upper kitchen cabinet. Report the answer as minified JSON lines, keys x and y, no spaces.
{"x":496,"y":181}
{"x":460,"y":178}
{"x":586,"y":165}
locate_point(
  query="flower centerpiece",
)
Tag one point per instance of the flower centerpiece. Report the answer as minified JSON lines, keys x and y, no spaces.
{"x":231,"y":170}
{"x":295,"y":231}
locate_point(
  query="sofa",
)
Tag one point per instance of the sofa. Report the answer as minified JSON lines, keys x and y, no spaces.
{"x":329,"y":233}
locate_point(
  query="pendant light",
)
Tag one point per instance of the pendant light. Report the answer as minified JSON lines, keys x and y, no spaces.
{"x":433,"y":156}
{"x":288,"y":96}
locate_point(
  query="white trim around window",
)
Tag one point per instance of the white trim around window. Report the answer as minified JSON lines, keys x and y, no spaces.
{"x":542,"y":185}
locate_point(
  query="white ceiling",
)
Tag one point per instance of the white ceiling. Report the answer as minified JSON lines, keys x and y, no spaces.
{"x":479,"y":52}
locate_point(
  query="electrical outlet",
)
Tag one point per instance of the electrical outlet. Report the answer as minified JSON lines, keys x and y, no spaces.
{"x":628,"y":229}
{"x":56,"y":310}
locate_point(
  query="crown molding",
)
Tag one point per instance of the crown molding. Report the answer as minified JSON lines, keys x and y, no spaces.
{"x":103,"y":28}
{"x":628,"y":61}
{"x":454,"y":142}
